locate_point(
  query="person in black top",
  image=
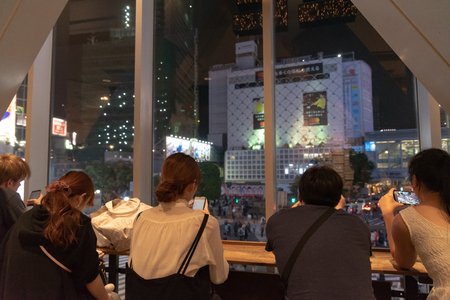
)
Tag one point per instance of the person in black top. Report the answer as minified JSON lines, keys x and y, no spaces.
{"x":335,"y":262}
{"x":13,"y":170}
{"x":50,"y":253}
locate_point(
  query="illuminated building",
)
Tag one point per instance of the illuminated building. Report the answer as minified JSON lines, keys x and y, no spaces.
{"x":322,"y":104}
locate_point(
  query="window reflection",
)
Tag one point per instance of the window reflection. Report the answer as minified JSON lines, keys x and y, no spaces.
{"x":201,"y":77}
{"x":93,"y":95}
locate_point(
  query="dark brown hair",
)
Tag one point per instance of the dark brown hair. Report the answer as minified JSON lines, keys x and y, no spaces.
{"x":13,"y":167}
{"x":64,"y":219}
{"x":320,"y":186}
{"x":432,"y":169}
{"x":178,"y":171}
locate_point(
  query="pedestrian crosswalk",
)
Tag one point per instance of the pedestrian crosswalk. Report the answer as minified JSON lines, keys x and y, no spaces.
{"x":376,"y":222}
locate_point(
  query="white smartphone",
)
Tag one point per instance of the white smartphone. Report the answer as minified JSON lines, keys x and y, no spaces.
{"x":199,"y":203}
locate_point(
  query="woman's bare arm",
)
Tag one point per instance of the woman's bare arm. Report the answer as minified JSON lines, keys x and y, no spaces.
{"x":97,"y":289}
{"x":405,"y":254}
{"x":399,"y":238}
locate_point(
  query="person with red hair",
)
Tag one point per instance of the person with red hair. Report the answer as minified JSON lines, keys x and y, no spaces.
{"x":50,"y":253}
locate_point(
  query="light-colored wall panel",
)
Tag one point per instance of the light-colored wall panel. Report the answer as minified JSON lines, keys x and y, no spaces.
{"x":432,"y":19}
{"x":418,"y":32}
{"x":24,"y":27}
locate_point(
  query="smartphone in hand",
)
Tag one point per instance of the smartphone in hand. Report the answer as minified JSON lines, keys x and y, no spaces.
{"x":406,"y":198}
{"x":199,"y":203}
{"x":34,"y":195}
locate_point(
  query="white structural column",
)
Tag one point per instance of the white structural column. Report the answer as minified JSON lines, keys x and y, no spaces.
{"x":143,"y":102}
{"x":269,"y":104}
{"x":38,"y":118}
{"x":428,"y":118}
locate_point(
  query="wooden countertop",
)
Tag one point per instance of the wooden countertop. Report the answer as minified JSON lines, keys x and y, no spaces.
{"x":254,"y":253}
{"x":248,"y":253}
{"x":383,"y":263}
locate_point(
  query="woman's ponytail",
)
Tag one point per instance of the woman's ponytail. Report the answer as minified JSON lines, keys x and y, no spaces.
{"x":64,"y":220}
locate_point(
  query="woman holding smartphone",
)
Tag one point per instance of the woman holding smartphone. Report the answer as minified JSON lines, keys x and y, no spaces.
{"x":50,"y":253}
{"x":424,"y":229}
{"x":163,"y":235}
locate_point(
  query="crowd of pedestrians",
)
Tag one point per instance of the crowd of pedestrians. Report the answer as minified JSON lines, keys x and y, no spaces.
{"x":377,"y":238}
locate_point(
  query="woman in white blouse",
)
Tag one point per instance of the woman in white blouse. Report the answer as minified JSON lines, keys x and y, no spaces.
{"x":163,"y":235}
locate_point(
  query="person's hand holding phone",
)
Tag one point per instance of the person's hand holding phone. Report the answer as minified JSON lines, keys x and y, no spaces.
{"x":388,"y":204}
{"x":35,"y":198}
{"x":201,"y":203}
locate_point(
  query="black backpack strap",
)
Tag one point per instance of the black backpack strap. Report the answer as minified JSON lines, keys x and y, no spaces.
{"x":191,"y":251}
{"x":293,"y":258}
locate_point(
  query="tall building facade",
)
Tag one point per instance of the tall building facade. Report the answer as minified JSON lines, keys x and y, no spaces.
{"x":321,"y":104}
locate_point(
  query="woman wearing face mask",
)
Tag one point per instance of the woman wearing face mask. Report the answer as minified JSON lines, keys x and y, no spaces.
{"x":50,"y":253}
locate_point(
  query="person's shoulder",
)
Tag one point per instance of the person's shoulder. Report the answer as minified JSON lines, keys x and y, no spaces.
{"x":285,"y":214}
{"x":350,"y":220}
{"x":10,"y":194}
{"x":408,"y":211}
{"x":212,"y":221}
{"x":84,"y":219}
{"x":277,"y":215}
{"x":147,"y":212}
{"x":343,"y":215}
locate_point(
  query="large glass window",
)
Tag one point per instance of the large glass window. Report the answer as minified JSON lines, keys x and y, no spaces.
{"x":93,"y":95}
{"x":13,"y":126}
{"x":343,"y":99}
{"x":408,"y":147}
{"x":382,"y":155}
{"x":209,"y":103}
{"x":21,"y":118}
{"x":395,"y":156}
{"x":13,"y":123}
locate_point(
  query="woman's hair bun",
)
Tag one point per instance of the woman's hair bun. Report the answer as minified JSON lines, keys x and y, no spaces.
{"x":178,"y":171}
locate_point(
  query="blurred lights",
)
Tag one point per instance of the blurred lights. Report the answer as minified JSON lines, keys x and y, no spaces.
{"x":252,"y":21}
{"x":326,"y":10}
